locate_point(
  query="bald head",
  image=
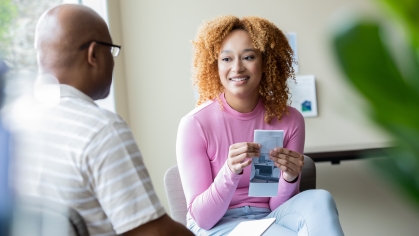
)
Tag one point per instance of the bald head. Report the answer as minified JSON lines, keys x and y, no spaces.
{"x":62,"y":30}
{"x":59,"y":35}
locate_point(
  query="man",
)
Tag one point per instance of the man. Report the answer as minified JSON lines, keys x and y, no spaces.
{"x":85,"y":156}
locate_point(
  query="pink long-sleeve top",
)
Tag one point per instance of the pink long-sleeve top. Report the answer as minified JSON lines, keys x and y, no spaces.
{"x":203,"y":140}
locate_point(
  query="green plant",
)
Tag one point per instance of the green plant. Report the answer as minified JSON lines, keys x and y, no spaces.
{"x":389,"y":83}
{"x":7,"y":13}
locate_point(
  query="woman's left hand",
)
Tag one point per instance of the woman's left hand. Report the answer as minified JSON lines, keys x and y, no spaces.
{"x":290,"y":162}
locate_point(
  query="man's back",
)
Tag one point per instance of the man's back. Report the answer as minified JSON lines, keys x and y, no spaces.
{"x":86,"y":157}
{"x":78,"y":154}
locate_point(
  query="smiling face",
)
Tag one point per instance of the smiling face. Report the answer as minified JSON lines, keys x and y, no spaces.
{"x":240,"y":70}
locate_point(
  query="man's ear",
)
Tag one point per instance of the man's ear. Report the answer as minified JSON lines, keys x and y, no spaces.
{"x":92,"y":54}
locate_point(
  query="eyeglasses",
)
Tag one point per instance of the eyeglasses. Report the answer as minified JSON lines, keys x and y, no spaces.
{"x":115,"y":49}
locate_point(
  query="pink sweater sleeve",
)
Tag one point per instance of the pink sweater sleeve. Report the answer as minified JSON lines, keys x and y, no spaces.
{"x":207,"y":200}
{"x":294,"y":142}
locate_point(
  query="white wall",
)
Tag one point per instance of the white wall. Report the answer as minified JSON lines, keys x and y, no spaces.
{"x":153,"y":89}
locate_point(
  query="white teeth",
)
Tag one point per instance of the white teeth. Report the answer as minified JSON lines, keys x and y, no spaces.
{"x":238,"y":79}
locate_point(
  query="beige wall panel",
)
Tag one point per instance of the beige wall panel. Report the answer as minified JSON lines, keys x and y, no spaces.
{"x":119,"y":82}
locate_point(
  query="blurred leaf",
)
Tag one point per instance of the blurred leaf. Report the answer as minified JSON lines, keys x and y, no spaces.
{"x":392,"y":91}
{"x":407,"y":13}
{"x":371,"y":69}
{"x":411,"y":75}
{"x":368,"y":65}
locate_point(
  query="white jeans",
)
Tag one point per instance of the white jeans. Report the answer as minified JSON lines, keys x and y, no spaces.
{"x":312,"y":212}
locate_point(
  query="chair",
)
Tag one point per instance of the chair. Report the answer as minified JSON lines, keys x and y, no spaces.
{"x":40,"y":217}
{"x":177,"y":200}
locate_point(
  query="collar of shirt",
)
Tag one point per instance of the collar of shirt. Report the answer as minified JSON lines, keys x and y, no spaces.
{"x":70,"y":91}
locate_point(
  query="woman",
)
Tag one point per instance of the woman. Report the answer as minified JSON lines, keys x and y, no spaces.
{"x":241,"y":67}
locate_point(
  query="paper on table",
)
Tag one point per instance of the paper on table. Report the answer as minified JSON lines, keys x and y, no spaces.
{"x":252,"y":228}
{"x":264,"y":177}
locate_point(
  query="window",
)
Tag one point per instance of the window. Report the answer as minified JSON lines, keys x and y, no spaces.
{"x":18,"y":20}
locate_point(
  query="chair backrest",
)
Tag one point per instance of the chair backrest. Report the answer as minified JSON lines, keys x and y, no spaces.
{"x":40,"y":217}
{"x":177,"y":200}
{"x":308,"y":174}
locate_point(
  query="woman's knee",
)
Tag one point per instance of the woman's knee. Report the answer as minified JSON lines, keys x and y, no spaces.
{"x":320,"y":200}
{"x":320,"y":194}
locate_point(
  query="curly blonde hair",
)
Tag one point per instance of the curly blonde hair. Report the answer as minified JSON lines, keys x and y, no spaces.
{"x":277,"y":60}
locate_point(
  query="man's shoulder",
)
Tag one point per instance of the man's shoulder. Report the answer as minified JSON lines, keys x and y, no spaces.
{"x":75,"y":118}
{"x":90,"y":112}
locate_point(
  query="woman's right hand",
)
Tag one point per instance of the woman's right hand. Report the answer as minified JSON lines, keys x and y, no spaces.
{"x":240,"y":154}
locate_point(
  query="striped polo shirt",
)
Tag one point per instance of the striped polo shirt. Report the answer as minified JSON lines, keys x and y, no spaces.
{"x":86,"y":157}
